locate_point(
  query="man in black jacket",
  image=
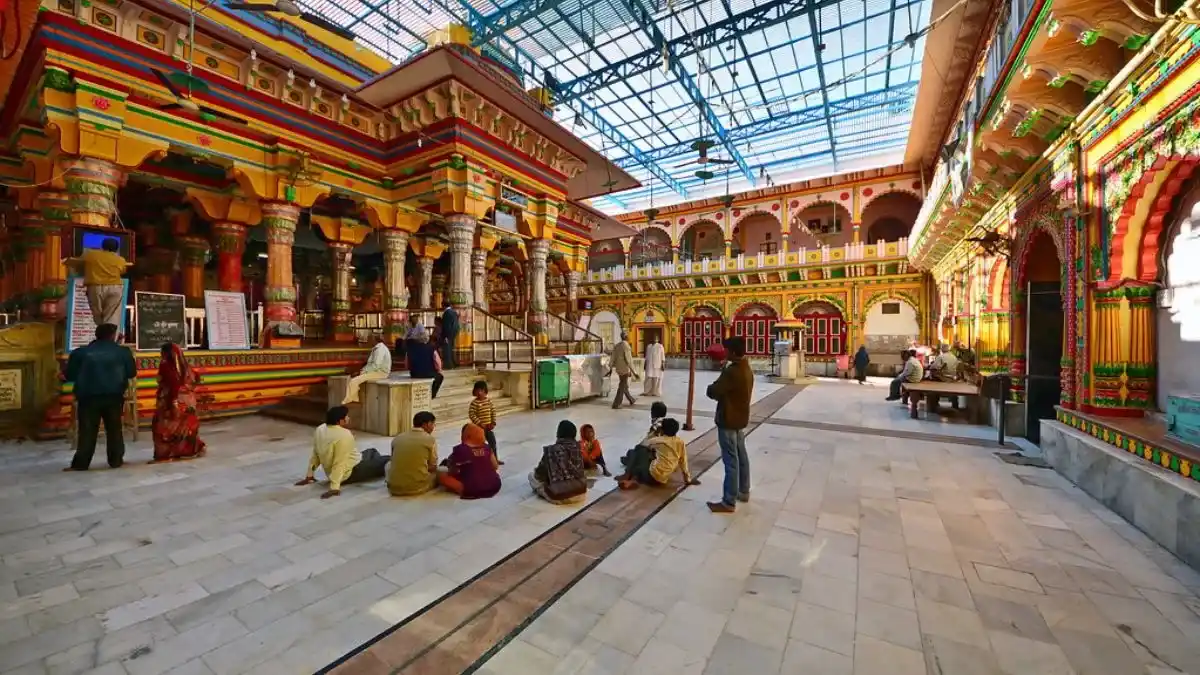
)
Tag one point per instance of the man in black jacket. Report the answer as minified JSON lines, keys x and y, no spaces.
{"x":450,"y":328}
{"x":421,"y":363}
{"x":100,"y":372}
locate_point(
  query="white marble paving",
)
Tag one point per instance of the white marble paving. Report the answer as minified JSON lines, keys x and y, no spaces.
{"x":875,"y":555}
{"x":222,"y":566}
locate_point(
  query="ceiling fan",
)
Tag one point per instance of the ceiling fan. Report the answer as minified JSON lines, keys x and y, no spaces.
{"x":185,"y":102}
{"x":701,"y":147}
{"x":290,"y":8}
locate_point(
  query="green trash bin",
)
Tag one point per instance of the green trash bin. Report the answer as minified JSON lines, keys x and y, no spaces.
{"x":554,"y":382}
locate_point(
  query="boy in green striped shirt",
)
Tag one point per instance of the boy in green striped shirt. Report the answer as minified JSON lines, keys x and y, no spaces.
{"x":483,"y":414}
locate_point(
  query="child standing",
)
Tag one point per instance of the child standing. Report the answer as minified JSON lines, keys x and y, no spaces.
{"x":483,"y":414}
{"x":589,"y":447}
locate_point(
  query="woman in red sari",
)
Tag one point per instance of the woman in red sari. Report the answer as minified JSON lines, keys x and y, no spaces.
{"x":176,"y":425}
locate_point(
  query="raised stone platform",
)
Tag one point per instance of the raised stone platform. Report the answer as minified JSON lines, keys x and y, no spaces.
{"x":1157,"y":500}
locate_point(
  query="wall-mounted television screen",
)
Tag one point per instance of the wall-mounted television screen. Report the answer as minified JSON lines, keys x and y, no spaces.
{"x":93,"y":237}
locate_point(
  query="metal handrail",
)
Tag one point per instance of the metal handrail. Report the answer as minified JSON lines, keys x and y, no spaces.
{"x":563,"y":336}
{"x":495,"y":341}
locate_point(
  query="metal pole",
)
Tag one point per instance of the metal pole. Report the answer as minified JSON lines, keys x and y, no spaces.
{"x":687,"y":425}
{"x":1004,"y":386}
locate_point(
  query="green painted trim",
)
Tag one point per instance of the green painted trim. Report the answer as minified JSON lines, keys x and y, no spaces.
{"x":998,"y":92}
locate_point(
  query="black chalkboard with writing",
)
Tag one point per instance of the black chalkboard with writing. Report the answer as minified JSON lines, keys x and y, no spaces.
{"x":160,"y":319}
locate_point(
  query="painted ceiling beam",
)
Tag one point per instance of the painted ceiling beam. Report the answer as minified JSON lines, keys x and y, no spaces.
{"x":817,"y":47}
{"x":764,"y":16}
{"x":590,"y":115}
{"x":485,"y":28}
{"x":645,"y":19}
{"x":904,"y":94}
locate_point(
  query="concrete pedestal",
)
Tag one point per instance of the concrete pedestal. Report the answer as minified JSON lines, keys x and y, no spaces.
{"x":388,"y":405}
{"x":793,"y":370}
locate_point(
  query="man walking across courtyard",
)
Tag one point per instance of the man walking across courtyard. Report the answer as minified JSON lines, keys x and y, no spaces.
{"x":622,"y":363}
{"x":101,"y":372}
{"x":732,"y":392}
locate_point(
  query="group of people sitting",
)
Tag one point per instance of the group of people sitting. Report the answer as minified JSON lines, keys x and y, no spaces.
{"x":472,"y":471}
{"x":945,"y":367}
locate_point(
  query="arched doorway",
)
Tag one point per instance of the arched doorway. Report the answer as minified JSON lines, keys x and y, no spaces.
{"x":1043,"y":331}
{"x":604,"y":254}
{"x":702,"y":240}
{"x":698,"y":333}
{"x":819,"y":224}
{"x":824,"y":329}
{"x":754,"y":323}
{"x":1178,"y":319}
{"x":650,"y":245}
{"x":890,"y":217}
{"x":890,"y":326}
{"x":757,"y":233}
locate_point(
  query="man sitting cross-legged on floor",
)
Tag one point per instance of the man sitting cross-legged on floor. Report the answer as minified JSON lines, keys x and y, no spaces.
{"x":653,"y":460}
{"x":414,"y":458}
{"x":335,"y":452}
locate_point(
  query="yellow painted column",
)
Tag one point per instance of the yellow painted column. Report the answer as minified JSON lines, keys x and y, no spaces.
{"x":55,"y":206}
{"x":193,"y":255}
{"x":340,"y":264}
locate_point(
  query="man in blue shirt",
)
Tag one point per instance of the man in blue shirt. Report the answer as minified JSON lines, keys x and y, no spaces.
{"x":100,"y":372}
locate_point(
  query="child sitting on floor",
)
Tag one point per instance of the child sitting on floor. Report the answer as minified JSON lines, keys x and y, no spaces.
{"x":589,"y":447}
{"x":653,"y":462}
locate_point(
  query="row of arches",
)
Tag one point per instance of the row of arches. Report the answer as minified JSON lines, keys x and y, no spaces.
{"x":889,"y":217}
{"x":889,"y":322}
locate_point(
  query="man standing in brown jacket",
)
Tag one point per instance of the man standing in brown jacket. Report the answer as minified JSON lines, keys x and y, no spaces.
{"x":732,"y":392}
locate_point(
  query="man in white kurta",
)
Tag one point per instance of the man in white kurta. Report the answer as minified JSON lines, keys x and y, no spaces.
{"x":379,"y":366}
{"x":656,"y":358}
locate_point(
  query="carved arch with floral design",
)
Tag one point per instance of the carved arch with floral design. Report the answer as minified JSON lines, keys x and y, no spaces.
{"x":1138,"y":185}
{"x":640,"y":309}
{"x":1044,"y":217}
{"x":891,"y":294}
{"x":999,"y":280}
{"x":838,"y":301}
{"x":773,"y":305}
{"x":697,"y":304}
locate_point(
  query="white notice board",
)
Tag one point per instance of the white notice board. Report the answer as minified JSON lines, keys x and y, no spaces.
{"x":81,"y":327}
{"x":225,"y":315}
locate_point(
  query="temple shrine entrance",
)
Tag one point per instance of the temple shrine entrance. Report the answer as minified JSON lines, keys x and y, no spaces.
{"x":1043,"y":333}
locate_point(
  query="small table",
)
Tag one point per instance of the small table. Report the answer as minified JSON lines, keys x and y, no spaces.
{"x":934,"y":388}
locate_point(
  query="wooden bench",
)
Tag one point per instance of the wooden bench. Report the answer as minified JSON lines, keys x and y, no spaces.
{"x":931,"y":389}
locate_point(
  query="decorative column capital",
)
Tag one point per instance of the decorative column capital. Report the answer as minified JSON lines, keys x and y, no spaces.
{"x":478,"y":260}
{"x":394,"y":242}
{"x":230,"y":237}
{"x":426,"y":265}
{"x":280,"y":215}
{"x":92,"y":185}
{"x":342,"y":253}
{"x":573,"y":278}
{"x":194,"y":249}
{"x":55,"y":206}
{"x":461,"y":221}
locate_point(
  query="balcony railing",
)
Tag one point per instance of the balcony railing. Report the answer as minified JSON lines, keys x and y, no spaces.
{"x":800,"y":257}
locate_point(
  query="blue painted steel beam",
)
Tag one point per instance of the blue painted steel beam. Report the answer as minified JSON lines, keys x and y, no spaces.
{"x":594,"y":118}
{"x":816,"y":40}
{"x":643,"y":17}
{"x":900,"y":95}
{"x":764,"y":16}
{"x":486,"y":28}
{"x":373,"y":8}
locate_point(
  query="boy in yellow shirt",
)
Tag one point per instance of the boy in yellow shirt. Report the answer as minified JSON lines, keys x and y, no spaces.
{"x":102,"y":270}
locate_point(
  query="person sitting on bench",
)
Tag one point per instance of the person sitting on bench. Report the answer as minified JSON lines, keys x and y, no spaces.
{"x":944,"y":367}
{"x":912,"y":373}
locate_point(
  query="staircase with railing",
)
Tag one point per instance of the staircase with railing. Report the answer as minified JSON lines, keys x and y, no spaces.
{"x":565,"y":337}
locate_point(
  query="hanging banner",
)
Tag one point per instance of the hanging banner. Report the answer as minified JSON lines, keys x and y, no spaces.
{"x":81,"y":328}
{"x":225,"y":317}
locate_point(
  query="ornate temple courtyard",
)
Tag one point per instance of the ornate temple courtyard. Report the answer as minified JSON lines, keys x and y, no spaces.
{"x":872,"y":545}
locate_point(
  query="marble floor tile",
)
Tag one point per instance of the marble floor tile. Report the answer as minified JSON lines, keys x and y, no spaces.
{"x":874,"y":545}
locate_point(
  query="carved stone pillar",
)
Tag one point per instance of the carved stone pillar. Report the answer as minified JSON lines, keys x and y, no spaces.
{"x":462,"y":239}
{"x":280,"y":218}
{"x":479,"y":278}
{"x":526,"y":275}
{"x":193,"y":254}
{"x":55,"y":207}
{"x":425,"y":284}
{"x":539,"y":251}
{"x":161,"y":266}
{"x":92,"y":185}
{"x":572,"y":278}
{"x":231,"y":246}
{"x":342,"y":330}
{"x":395,"y":296}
